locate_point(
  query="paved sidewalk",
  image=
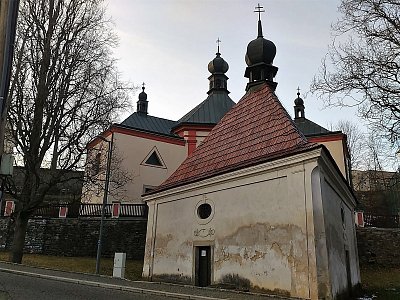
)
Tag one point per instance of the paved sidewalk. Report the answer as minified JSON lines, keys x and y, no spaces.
{"x":143,"y":287}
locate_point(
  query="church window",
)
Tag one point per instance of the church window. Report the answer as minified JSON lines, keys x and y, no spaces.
{"x":343,"y":216}
{"x":204,"y":211}
{"x":154,"y":159}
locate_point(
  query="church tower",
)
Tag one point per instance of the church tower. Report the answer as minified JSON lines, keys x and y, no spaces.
{"x":197,"y":123}
{"x":142,"y":103}
{"x":298,"y":106}
{"x":218,"y":67}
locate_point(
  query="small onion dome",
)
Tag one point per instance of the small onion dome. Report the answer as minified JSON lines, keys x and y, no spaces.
{"x":142,"y":95}
{"x":260,"y":50}
{"x":218,"y":65}
{"x":298,"y":101}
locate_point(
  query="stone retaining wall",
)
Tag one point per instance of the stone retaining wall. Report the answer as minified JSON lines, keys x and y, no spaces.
{"x":78,"y":237}
{"x":379,"y":246}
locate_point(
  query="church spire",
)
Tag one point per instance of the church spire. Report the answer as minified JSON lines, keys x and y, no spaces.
{"x":142,"y":103}
{"x":218,"y":67}
{"x":259,"y":58}
{"x":259,"y":10}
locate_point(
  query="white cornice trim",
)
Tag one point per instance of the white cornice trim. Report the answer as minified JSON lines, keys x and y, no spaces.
{"x":235,"y":175}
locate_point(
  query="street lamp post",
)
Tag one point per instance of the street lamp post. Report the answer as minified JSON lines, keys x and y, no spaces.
{"x":105,"y":198}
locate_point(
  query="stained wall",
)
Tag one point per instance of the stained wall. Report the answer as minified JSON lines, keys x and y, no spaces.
{"x":260,"y":231}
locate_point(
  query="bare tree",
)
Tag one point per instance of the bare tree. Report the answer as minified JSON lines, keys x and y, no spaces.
{"x":362,"y":66}
{"x":65,"y":89}
{"x":95,"y":177}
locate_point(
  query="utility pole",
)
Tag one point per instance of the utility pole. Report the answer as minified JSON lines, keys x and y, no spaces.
{"x":8,"y":22}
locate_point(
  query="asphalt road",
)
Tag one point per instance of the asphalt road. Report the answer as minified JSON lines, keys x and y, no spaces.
{"x":23,"y":287}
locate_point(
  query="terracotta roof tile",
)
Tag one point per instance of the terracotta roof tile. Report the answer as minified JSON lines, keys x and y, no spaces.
{"x":255,"y":130}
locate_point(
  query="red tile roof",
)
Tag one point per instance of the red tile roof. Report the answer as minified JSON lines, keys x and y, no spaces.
{"x":257,"y":129}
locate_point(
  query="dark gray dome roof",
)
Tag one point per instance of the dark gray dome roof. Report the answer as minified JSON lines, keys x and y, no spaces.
{"x":260,"y":50}
{"x":218,"y":65}
{"x":298,"y":100}
{"x":142,"y":95}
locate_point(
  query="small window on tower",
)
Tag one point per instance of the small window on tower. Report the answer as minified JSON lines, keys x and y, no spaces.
{"x":342,"y":216}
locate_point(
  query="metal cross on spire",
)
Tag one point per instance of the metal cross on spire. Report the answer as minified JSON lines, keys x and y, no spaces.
{"x":298,"y":91}
{"x":143,"y":84}
{"x":218,"y":42}
{"x":259,"y":10}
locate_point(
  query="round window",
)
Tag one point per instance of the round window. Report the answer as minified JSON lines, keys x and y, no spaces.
{"x":204,"y":211}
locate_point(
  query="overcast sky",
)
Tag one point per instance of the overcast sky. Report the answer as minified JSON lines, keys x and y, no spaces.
{"x":168,"y":44}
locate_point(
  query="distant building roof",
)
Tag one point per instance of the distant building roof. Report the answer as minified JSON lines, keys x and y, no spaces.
{"x":309,"y":128}
{"x":150,"y":124}
{"x":257,"y":129}
{"x":211,"y":110}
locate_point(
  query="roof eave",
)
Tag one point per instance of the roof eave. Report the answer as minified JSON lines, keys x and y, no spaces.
{"x":230,"y":169}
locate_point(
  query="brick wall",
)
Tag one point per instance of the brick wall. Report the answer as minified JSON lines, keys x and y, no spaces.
{"x":379,"y":246}
{"x":78,"y":237}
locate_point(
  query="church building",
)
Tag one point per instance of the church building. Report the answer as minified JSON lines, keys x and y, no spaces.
{"x":150,"y":148}
{"x":257,"y":204}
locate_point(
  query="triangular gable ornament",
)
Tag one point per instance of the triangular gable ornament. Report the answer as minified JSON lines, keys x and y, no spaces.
{"x":154,"y":159}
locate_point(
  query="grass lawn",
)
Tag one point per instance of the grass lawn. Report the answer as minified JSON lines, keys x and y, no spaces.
{"x":382,"y":282}
{"x":133,"y":268}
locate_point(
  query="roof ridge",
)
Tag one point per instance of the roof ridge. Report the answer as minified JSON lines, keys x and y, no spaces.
{"x":135,"y":113}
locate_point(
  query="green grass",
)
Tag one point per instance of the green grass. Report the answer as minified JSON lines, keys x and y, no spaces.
{"x":383,"y":282}
{"x":133,"y":268}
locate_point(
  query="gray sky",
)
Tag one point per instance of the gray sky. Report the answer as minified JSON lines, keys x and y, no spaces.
{"x":168,"y":44}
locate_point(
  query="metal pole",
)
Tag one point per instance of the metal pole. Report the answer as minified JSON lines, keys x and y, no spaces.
{"x":105,"y":198}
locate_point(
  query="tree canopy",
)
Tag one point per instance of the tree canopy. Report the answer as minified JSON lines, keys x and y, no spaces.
{"x":362,"y":66}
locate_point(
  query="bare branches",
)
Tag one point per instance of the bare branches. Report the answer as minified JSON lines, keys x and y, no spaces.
{"x":362,"y":67}
{"x":65,"y":87}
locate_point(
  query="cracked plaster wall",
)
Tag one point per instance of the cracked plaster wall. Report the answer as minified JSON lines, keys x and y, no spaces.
{"x":267,"y":232}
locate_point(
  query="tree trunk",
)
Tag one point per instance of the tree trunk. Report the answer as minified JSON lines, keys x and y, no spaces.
{"x":21,"y":224}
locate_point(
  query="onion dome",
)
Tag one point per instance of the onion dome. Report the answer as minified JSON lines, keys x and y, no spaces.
{"x":259,"y":58}
{"x":218,"y":65}
{"x":218,"y":80}
{"x":142,"y":95}
{"x":298,"y":100}
{"x":260,"y":50}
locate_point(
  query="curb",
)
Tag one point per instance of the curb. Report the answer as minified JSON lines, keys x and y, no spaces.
{"x":111,"y":286}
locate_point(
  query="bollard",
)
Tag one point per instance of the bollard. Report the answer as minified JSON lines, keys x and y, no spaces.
{"x":119,"y":265}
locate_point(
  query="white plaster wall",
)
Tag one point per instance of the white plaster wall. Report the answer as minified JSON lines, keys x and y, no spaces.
{"x":133,"y":150}
{"x":258,"y":232}
{"x":339,"y":236}
{"x":336,"y":150}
